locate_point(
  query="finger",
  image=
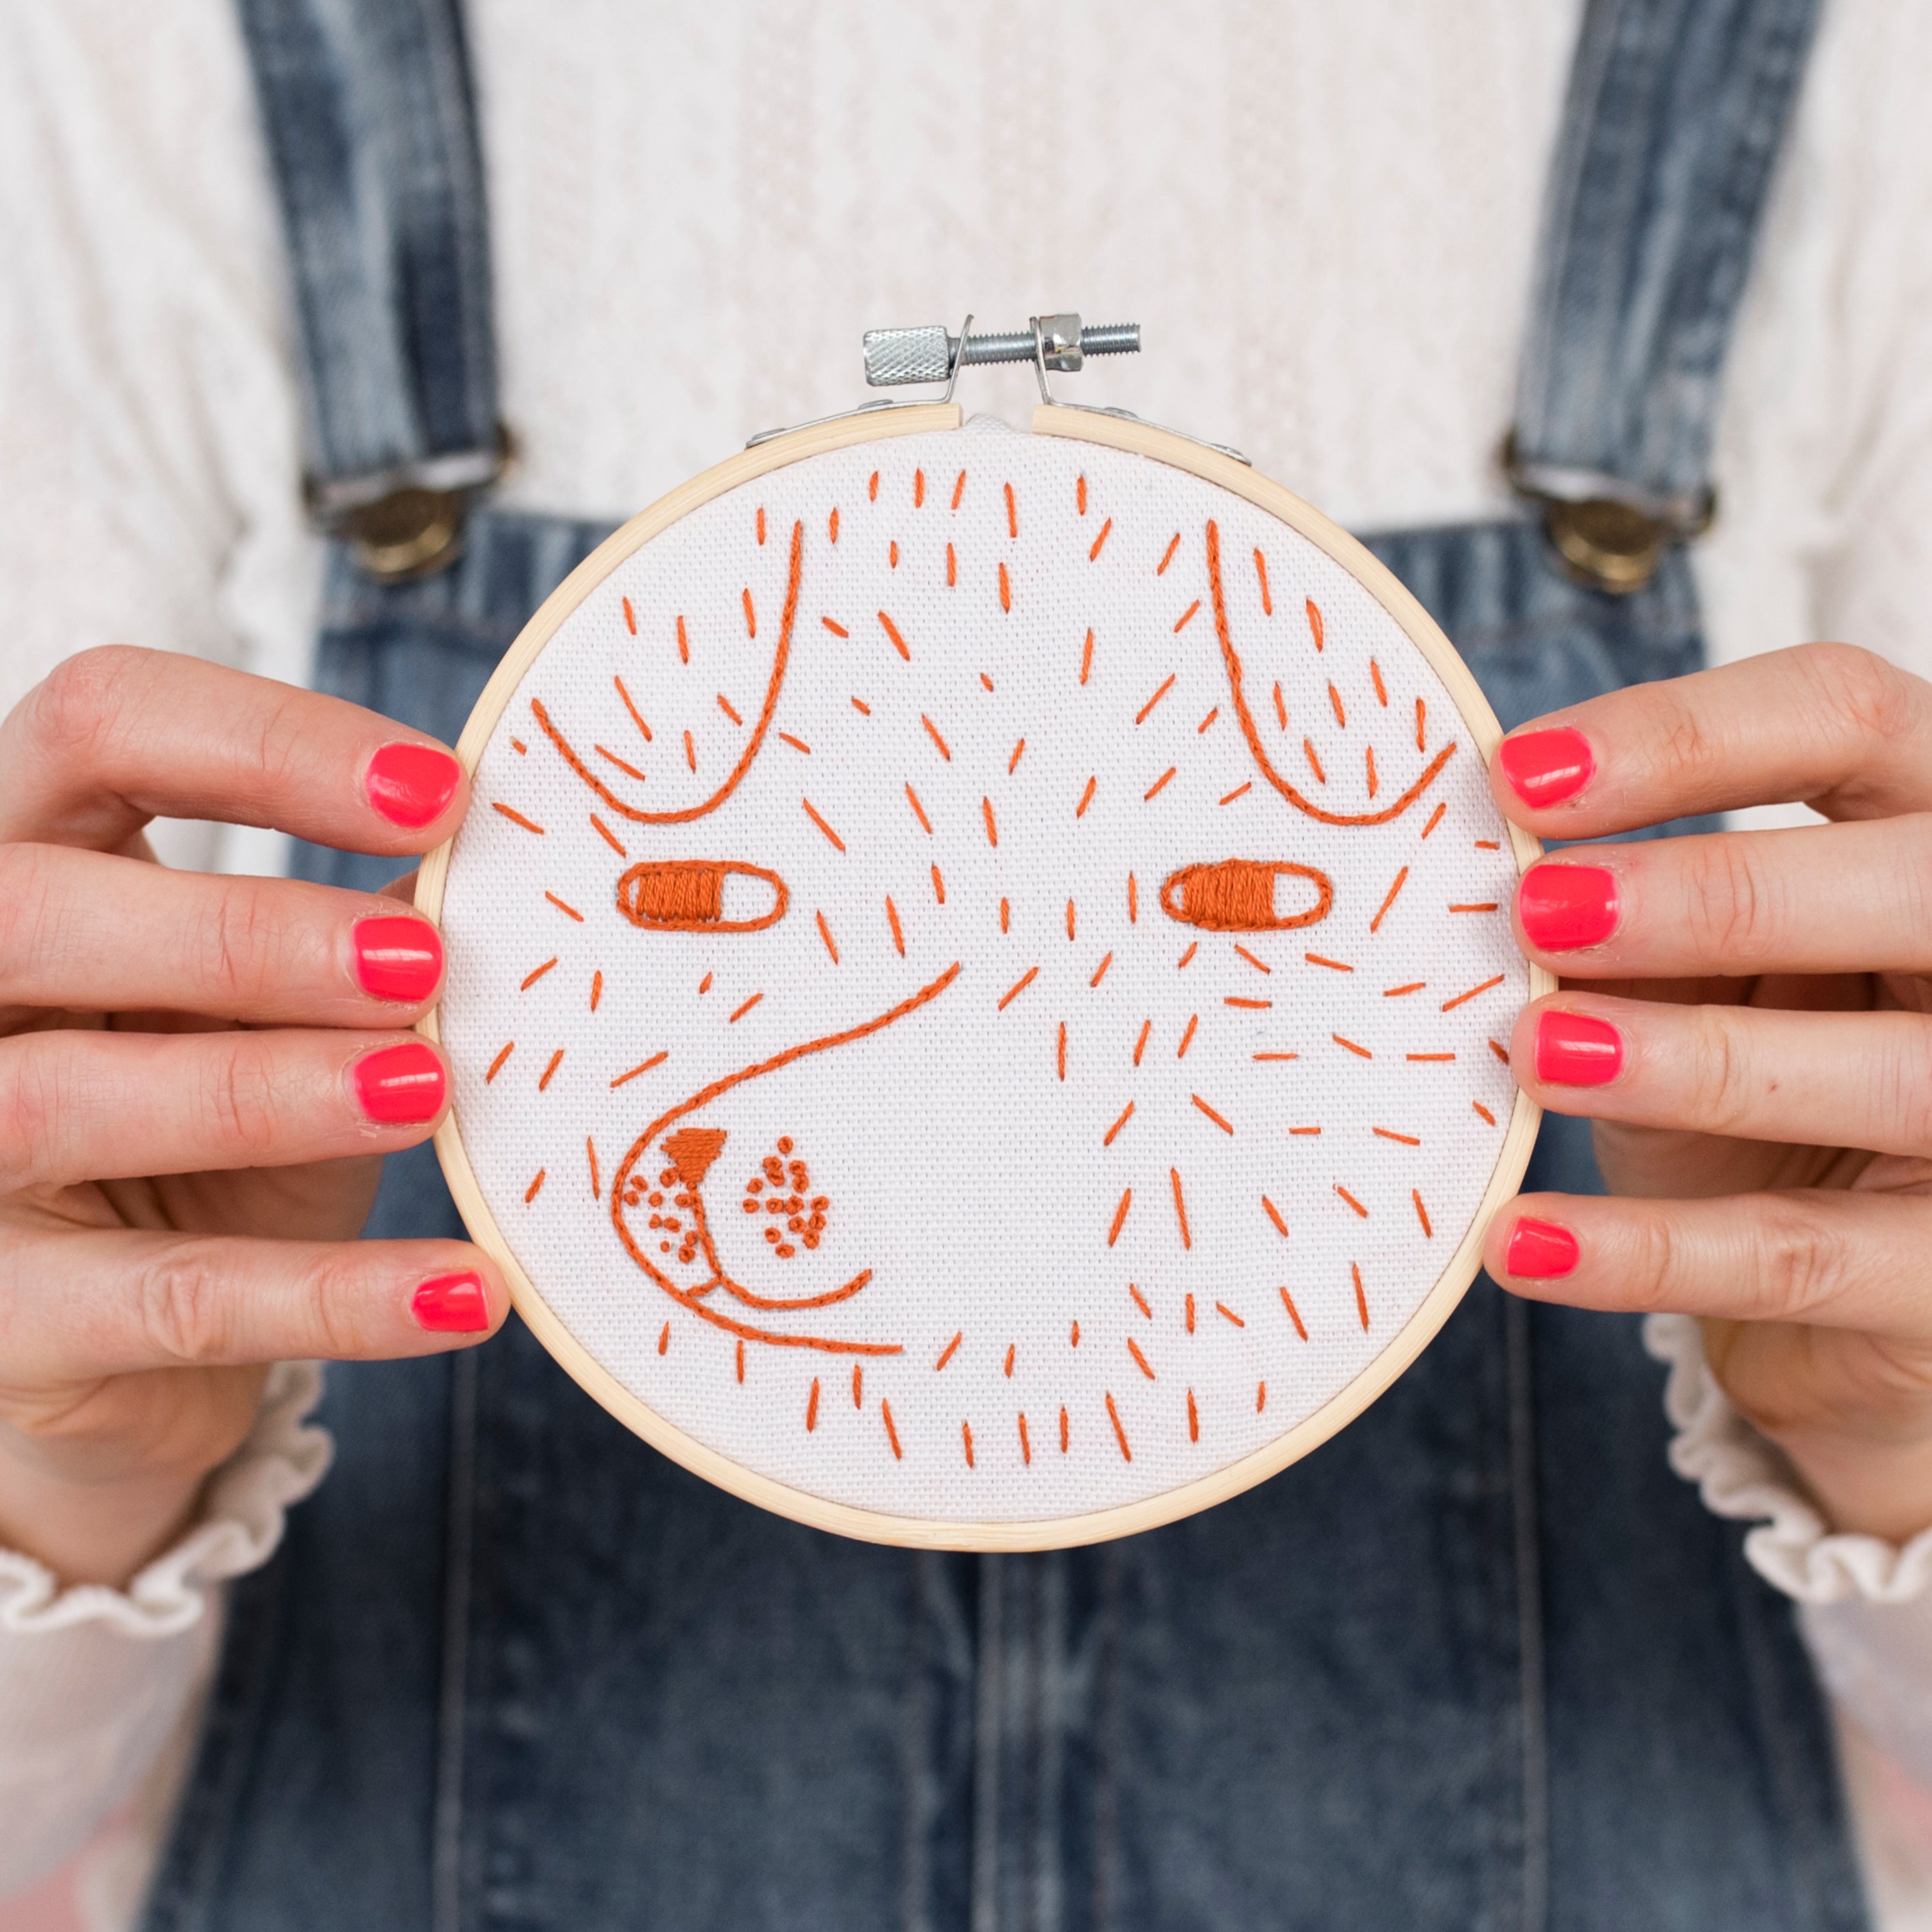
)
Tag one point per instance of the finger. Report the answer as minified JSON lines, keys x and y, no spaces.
{"x":1827,"y":899}
{"x":115,"y":1304}
{"x":114,"y":737}
{"x":1834,"y":727}
{"x":85,"y":931}
{"x":1824,"y":1079}
{"x":1819,"y":1255}
{"x":98,"y":1106}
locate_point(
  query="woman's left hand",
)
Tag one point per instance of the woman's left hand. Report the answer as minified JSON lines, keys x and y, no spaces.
{"x":1747,"y":1017}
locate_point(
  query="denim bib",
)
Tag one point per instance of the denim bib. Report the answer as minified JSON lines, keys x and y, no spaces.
{"x":1482,"y":1662}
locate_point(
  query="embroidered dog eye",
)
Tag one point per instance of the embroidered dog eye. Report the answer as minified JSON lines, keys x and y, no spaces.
{"x":820,"y":1019}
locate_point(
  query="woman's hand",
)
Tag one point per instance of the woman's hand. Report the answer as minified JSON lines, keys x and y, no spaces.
{"x":198,"y":1076}
{"x":1747,"y":1017}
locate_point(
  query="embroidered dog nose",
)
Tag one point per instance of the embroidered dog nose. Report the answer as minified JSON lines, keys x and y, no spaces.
{"x":701,"y":895}
{"x":1238,"y":895}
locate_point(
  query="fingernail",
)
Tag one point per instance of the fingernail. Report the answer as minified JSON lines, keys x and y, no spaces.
{"x":399,"y":1085}
{"x":1565,"y":906}
{"x":1547,"y":767}
{"x":1540,"y":1250}
{"x":397,"y":958}
{"x":452,"y":1304}
{"x":410,"y":784}
{"x":1573,"y":1050}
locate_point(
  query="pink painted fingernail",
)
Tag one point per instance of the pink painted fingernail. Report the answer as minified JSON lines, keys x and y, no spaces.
{"x":1573,"y":1050}
{"x":1541,"y":1250}
{"x":397,"y":958}
{"x":1565,"y":906}
{"x":451,"y":1304}
{"x":410,"y":784}
{"x":1547,"y":767}
{"x":400,"y":1086}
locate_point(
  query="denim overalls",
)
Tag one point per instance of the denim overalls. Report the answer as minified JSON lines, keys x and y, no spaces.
{"x":1482,"y":1662}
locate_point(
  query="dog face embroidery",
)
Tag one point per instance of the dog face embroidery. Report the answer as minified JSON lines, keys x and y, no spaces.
{"x":1058,"y":863}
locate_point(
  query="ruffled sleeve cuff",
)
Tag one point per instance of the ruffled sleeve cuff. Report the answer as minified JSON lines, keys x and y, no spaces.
{"x":283,"y":1459}
{"x":1742,"y":1475}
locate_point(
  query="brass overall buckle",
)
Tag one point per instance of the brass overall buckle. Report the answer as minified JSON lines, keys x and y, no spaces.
{"x":407,"y":521}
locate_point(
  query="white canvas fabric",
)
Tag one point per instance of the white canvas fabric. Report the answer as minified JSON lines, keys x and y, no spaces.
{"x":981,"y":836}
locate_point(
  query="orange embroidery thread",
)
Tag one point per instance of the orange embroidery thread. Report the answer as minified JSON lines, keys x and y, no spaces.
{"x":1026,"y":1447}
{"x":1160,"y":569}
{"x":892,"y":918}
{"x":609,"y":837}
{"x":1086,"y":658}
{"x":1238,"y":895}
{"x":992,"y":830}
{"x":751,"y":614}
{"x":1422,"y":1213}
{"x":686,"y":895}
{"x":1294,"y":1314}
{"x":517,"y":817}
{"x":596,"y":989}
{"x":958,"y":489}
{"x":810,"y":1407}
{"x":1351,"y":1201}
{"x":825,"y":933}
{"x":1119,"y":1434}
{"x":932,"y":732}
{"x":1221,"y":1308}
{"x":891,"y":1434}
{"x":1484,"y":1111}
{"x":1193,"y":1021}
{"x":966,"y":1430}
{"x":1086,"y":797}
{"x":1274,"y":1215}
{"x":1019,"y":987}
{"x":858,"y":1384}
{"x":1093,"y":555}
{"x":945,"y":1354}
{"x":683,"y":644}
{"x":1062,"y":1431}
{"x":1449,"y":1006}
{"x":643,"y":1066}
{"x":630,"y":618}
{"x":1259,"y":965}
{"x":1389,"y":1134}
{"x":1389,"y":900}
{"x":530,"y":1193}
{"x":1158,"y":784}
{"x":1140,"y":1360}
{"x":1140,"y":1301}
{"x":1361,"y":1299}
{"x":919,"y":810}
{"x":1180,"y":1205}
{"x":1314,"y":610}
{"x":1100,"y":971}
{"x":1225,"y":1126}
{"x":1186,"y":617}
{"x":745,"y":1009}
{"x":496,"y":1065}
{"x":1146,"y":1026}
{"x":1126,"y":1114}
{"x":1261,"y":571}
{"x":1012,"y":513}
{"x":1237,"y":791}
{"x":938,"y":886}
{"x":1351,"y":1046}
{"x":1119,"y":1216}
{"x":1012,"y":763}
{"x":531,"y":979}
{"x":555,"y":1061}
{"x":837,"y":630}
{"x":892,"y":631}
{"x":570,"y":909}
{"x":821,"y":824}
{"x":1006,"y":589}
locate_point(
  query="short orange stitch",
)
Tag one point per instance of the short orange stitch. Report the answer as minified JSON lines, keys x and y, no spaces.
{"x":1351,"y":1046}
{"x":1073,"y":1341}
{"x":1389,"y":899}
{"x":966,"y":1430}
{"x":1140,"y":1301}
{"x":1012,"y":513}
{"x":1314,"y":610}
{"x":683,"y":643}
{"x":745,"y":1009}
{"x":1412,"y":986}
{"x":516,"y":817}
{"x":1251,"y":959}
{"x":919,"y":810}
{"x":1013,"y":762}
{"x":1063,"y":1049}
{"x":918,"y":488}
{"x":664,"y":1338}
{"x":1126,"y":1114}
{"x":1294,"y":1313}
{"x":1274,"y":1056}
{"x":1422,"y":1213}
{"x":1304,"y":1130}
{"x":1158,"y":784}
{"x":1222,"y":1308}
{"x":1429,"y":1056}
{"x":1011,"y":1347}
{"x":609,"y":837}
{"x":562,"y":907}
{"x":892,"y":631}
{"x":1026,"y":1447}
{"x":1334,"y":965}
{"x":1237,"y":791}
{"x":992,"y":830}
{"x":496,"y":1065}
{"x":952,"y":568}
{"x":1487,"y":845}
{"x":860,"y":705}
{"x":630,"y":618}
{"x":1389,"y":1134}
{"x":1314,"y":762}
{"x":751,"y":614}
{"x":1019,"y":987}
{"x":1484,"y":1111}
{"x":530,"y":1193}
{"x":1006,"y":915}
{"x":725,"y":707}
{"x":1274,"y":1215}
{"x":938,"y":886}
{"x":521,"y":749}
{"x":636,"y":716}
{"x":1093,"y":555}
{"x":893,"y":916}
{"x":1335,"y":700}
{"x":821,"y":824}
{"x":796,"y":744}
{"x":1087,"y":657}
{"x":1487,"y":905}
{"x":1146,"y":1026}
{"x":1501,"y":1051}
{"x":858,"y":1384}
{"x":891,"y":1434}
{"x":1006,"y":589}
{"x":958,"y":489}
{"x":932,"y":732}
{"x":1421,"y":712}
{"x":1080,"y":494}
{"x":643,"y":1066}
{"x":596,"y":989}
{"x":1086,"y":797}
{"x":1180,"y":1205}
{"x":1100,"y":971}
{"x":1119,"y":1434}
{"x":629,"y":770}
{"x":531,"y":979}
{"x":1133,"y":906}
{"x":704,"y":985}
{"x":838,"y":630}
{"x":1120,"y":1215}
{"x":690,"y":752}
{"x":1449,"y":1006}
{"x":761,"y":522}
{"x":1369,"y":751}
{"x":811,"y":1406}
{"x":741,"y":1339}
{"x":872,"y":486}
{"x":831,"y":525}
{"x":1063,"y":1431}
{"x":1225,"y":1126}
{"x":555,"y":1061}
{"x":1435,"y":820}
{"x":1351,"y":1201}
{"x":1188,"y":1312}
{"x":1160,"y":569}
{"x":1207,"y":720}
{"x":1193,"y":948}
{"x":1361,"y":1299}
{"x":1069,"y":918}
{"x":1248,"y":1006}
{"x":1134,"y":1349}
{"x":1180,"y":1052}
{"x":1261,"y":571}
{"x":1186,"y":617}
{"x":825,"y":933}
{"x":945,"y":1354}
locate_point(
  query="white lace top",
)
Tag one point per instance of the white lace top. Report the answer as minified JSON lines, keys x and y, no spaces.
{"x":1323,"y":216}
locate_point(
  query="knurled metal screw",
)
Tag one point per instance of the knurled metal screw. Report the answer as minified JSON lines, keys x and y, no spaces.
{"x":894,"y":356}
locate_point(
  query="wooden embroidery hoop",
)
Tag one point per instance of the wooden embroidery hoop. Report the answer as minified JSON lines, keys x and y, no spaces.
{"x":1158,"y":446}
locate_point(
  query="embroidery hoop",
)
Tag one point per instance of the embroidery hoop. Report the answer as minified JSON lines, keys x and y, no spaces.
{"x":1158,"y":446}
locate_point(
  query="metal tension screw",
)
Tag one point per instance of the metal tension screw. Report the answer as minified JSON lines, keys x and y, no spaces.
{"x":894,"y":356}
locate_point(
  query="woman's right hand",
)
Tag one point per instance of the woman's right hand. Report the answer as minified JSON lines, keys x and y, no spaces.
{"x":198,"y":1077}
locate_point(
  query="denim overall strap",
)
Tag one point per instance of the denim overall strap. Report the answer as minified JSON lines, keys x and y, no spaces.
{"x":371,"y":129}
{"x":1675,"y":112}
